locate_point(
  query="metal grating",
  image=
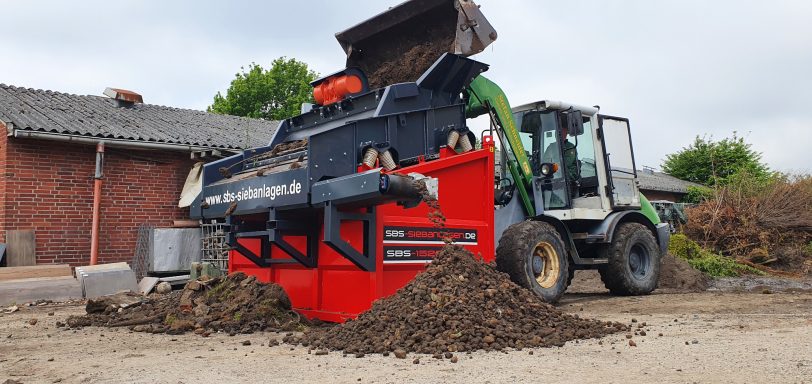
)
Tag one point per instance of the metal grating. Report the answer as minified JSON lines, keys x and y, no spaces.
{"x":140,"y":262}
{"x":215,"y":244}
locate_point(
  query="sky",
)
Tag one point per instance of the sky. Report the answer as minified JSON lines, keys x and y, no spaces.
{"x":676,"y":69}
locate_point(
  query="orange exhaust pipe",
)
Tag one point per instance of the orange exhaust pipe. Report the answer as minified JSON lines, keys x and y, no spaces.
{"x":97,"y":189}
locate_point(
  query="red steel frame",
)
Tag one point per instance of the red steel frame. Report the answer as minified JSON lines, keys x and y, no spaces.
{"x":337,"y":290}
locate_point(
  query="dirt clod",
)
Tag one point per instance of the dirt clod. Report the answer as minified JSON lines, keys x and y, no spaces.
{"x":32,"y":322}
{"x":437,"y":312}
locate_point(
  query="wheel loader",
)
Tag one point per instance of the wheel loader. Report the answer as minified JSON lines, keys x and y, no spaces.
{"x":336,"y":210}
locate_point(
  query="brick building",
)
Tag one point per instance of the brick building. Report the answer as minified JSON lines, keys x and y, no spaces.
{"x":48,"y":162}
{"x":661,"y":186}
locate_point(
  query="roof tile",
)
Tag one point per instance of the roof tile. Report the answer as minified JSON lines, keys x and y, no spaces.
{"x":98,"y":116}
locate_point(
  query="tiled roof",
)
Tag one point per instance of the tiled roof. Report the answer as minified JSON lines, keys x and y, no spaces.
{"x":658,"y":181}
{"x":103,"y":117}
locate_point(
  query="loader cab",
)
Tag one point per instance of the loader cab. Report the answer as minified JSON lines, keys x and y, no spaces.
{"x":590,"y":156}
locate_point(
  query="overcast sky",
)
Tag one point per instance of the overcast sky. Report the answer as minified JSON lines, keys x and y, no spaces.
{"x":676,"y":69}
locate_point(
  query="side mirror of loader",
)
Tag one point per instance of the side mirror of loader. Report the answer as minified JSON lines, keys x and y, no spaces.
{"x":575,"y":123}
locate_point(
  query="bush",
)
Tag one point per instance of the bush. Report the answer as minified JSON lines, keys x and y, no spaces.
{"x":681,"y":246}
{"x":712,"y":264}
{"x":720,"y":266}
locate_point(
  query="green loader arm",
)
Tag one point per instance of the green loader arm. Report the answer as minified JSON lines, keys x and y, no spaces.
{"x":484,"y":96}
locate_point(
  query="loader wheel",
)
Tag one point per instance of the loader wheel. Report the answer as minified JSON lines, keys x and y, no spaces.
{"x":634,"y":261}
{"x":534,"y":256}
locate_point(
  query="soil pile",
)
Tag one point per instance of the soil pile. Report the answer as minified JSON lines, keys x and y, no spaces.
{"x":457,"y":304}
{"x":235,"y":304}
{"x":677,"y":274}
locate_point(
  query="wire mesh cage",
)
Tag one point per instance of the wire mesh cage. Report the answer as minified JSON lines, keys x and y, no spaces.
{"x":140,"y":262}
{"x":215,"y":244}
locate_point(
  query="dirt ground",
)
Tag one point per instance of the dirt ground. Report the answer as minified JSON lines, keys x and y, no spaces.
{"x":715,"y":336}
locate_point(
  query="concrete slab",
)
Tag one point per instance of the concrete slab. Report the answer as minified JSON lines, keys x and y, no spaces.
{"x":176,"y":280}
{"x":33,"y":271}
{"x":20,"y":291}
{"x":101,"y":283}
{"x":147,"y":283}
{"x":83,"y":271}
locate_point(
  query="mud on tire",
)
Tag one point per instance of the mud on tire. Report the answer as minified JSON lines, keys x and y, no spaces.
{"x":634,"y":261}
{"x":522,"y":252}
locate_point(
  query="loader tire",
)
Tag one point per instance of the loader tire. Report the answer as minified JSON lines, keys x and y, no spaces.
{"x":634,"y":261}
{"x":532,"y":253}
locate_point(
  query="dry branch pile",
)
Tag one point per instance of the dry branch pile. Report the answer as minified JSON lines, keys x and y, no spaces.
{"x":763,"y":224}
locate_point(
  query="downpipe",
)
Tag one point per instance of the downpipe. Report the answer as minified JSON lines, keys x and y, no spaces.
{"x":97,"y":189}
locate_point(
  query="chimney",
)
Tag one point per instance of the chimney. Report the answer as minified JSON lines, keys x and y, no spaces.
{"x":125,"y":98}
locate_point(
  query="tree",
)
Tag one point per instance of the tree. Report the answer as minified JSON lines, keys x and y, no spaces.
{"x":273,"y":94}
{"x":714,"y":163}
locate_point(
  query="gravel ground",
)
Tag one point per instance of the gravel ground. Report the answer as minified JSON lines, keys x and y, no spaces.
{"x":706,"y":337}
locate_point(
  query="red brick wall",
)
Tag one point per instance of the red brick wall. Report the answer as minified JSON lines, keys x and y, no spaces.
{"x":3,"y":140}
{"x":49,"y":187}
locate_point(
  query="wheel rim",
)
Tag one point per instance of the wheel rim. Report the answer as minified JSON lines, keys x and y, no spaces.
{"x":546,"y":268}
{"x":639,"y":261}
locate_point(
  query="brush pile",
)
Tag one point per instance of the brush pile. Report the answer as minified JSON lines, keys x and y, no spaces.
{"x":766,"y":225}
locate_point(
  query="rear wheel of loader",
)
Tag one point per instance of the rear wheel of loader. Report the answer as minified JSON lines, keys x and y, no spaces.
{"x":533,"y":254}
{"x":634,"y":261}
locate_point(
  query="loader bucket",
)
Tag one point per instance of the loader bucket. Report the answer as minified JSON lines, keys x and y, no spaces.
{"x":400,"y":44}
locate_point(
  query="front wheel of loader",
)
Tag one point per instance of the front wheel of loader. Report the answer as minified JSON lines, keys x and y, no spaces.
{"x":533,"y":254}
{"x":634,"y":261}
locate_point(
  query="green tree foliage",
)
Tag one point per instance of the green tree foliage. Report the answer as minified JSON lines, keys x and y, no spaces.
{"x":697,"y":195}
{"x":274,"y":94}
{"x":714,"y":163}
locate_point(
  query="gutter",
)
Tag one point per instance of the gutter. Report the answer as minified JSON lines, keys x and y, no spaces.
{"x":111,"y":142}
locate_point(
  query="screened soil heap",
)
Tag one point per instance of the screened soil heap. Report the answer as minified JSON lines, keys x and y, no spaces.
{"x":234,"y":304}
{"x":458,"y":304}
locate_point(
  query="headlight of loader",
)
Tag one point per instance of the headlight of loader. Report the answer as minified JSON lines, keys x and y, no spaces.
{"x":548,"y":169}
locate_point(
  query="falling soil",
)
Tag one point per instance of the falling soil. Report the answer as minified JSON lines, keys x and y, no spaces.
{"x":409,"y":66}
{"x":677,"y":274}
{"x":458,"y":304}
{"x":235,"y":304}
{"x":435,"y":216}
